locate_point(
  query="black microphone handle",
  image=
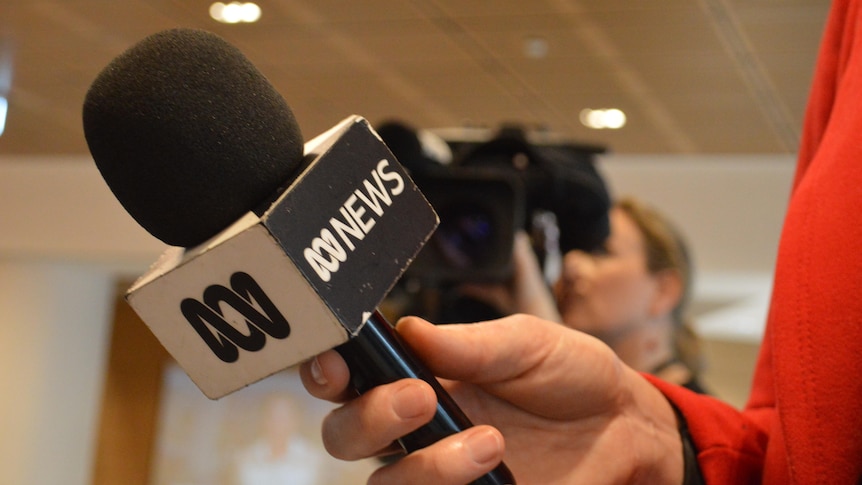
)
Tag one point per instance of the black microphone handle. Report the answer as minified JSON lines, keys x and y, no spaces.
{"x":377,"y":355}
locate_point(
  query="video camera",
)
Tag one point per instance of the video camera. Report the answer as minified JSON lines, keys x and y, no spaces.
{"x":490,"y":189}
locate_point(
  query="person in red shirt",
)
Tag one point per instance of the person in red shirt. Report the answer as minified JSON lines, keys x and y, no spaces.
{"x":560,"y":407}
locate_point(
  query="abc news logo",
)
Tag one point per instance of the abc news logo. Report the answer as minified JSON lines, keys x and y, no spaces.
{"x":247,"y":298}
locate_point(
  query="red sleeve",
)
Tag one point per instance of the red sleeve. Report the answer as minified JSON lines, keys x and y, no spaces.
{"x":730,"y":446}
{"x":803,"y":420}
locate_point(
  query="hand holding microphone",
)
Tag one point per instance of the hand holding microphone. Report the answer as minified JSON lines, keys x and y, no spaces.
{"x":570,"y":410}
{"x":280,"y":251}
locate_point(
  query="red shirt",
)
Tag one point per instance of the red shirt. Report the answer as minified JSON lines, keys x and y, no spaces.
{"x":803,"y":421}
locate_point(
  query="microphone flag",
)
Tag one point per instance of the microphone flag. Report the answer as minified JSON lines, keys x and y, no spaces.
{"x":295,"y":278}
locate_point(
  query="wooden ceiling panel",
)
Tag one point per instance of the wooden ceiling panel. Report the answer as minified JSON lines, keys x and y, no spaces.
{"x":323,"y":11}
{"x":449,"y":62}
{"x":678,"y":29}
{"x":501,"y":8}
{"x":727,"y":121}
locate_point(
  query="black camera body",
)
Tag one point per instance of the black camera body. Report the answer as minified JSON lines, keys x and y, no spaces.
{"x":479,"y":210}
{"x":493,"y":188}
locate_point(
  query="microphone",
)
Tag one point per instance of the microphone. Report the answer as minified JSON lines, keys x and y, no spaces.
{"x":278,"y":249}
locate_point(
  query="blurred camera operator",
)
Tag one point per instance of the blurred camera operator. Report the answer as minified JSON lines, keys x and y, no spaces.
{"x":631,"y":293}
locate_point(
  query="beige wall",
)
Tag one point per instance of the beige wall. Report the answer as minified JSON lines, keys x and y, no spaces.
{"x":53,"y":340}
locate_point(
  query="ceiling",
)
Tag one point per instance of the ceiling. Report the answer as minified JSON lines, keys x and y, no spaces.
{"x":693,"y":76}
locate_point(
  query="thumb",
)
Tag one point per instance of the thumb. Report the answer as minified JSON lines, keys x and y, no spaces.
{"x":519,"y":357}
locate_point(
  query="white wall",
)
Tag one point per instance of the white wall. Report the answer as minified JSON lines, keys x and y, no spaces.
{"x":63,"y":237}
{"x":63,"y":241}
{"x":62,"y":209}
{"x":53,"y":343}
{"x":730,"y":208}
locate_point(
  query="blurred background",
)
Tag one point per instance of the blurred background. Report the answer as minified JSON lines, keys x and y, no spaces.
{"x":703,"y":102}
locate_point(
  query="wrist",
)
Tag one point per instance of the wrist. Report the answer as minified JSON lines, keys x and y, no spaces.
{"x":662,"y":449}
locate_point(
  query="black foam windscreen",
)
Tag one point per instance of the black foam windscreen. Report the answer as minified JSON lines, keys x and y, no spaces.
{"x":189,"y":135}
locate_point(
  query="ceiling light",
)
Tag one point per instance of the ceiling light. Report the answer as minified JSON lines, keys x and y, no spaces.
{"x":4,"y":108}
{"x":535,"y":47}
{"x":601,"y":119}
{"x":235,"y":12}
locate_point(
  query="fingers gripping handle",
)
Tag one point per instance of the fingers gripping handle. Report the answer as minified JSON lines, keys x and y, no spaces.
{"x":377,"y":355}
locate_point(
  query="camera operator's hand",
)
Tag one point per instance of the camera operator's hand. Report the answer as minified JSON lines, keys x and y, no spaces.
{"x":526,"y":292}
{"x":570,"y":410}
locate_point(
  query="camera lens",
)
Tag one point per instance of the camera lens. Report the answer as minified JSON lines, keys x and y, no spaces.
{"x":465,"y":236}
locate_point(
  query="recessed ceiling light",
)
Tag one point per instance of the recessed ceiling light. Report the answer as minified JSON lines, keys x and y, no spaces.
{"x":602,"y":119}
{"x":535,"y":47}
{"x":235,"y":12}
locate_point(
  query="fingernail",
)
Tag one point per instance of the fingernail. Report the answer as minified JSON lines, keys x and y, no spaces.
{"x":410,"y":401}
{"x":317,"y":373}
{"x":483,"y":446}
